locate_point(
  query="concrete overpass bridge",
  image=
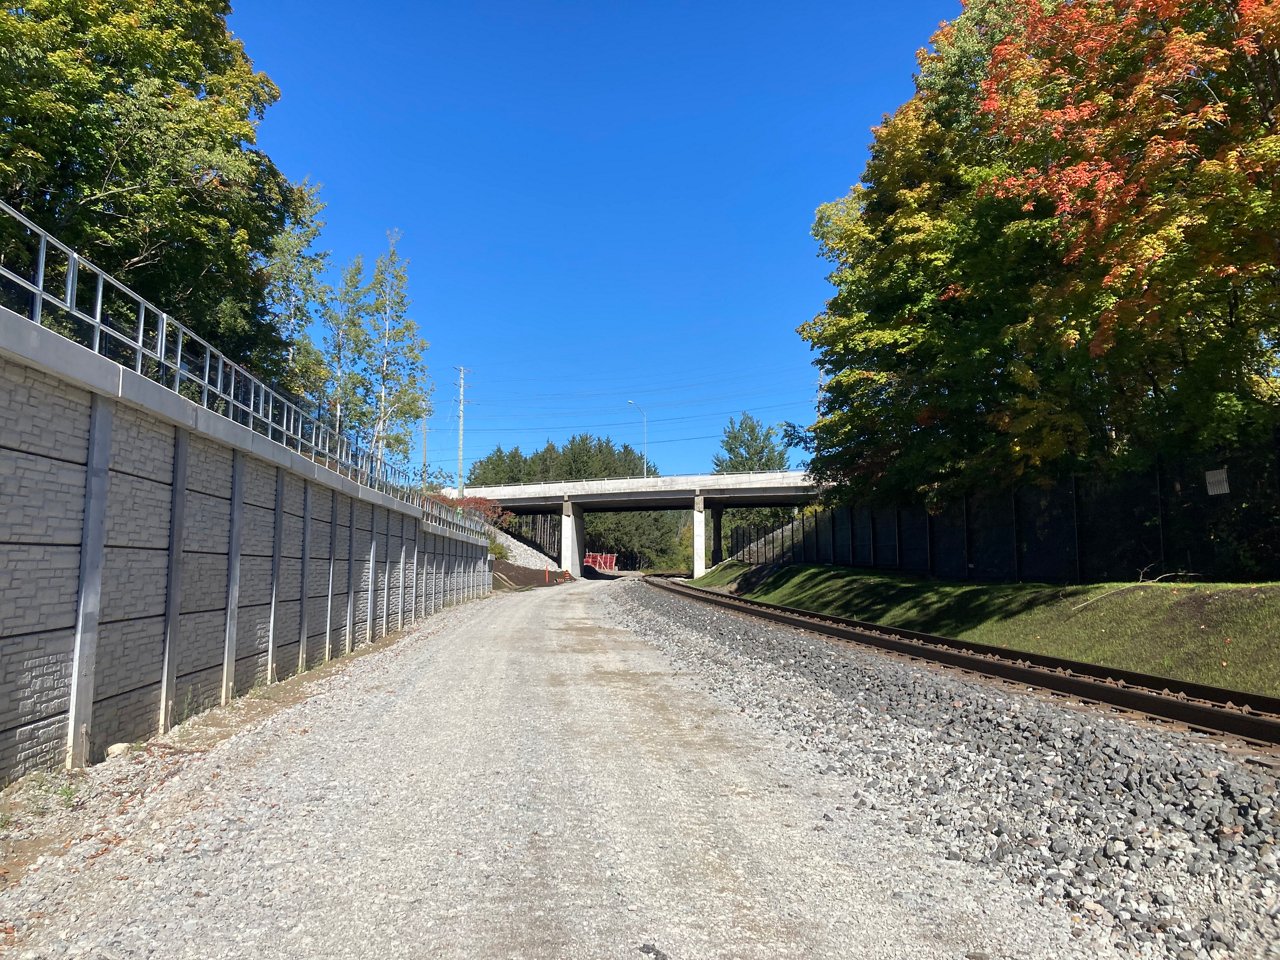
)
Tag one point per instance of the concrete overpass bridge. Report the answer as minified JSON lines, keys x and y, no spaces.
{"x":699,"y":492}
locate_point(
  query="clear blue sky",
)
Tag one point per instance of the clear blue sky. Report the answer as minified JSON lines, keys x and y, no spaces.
{"x":602,"y":202}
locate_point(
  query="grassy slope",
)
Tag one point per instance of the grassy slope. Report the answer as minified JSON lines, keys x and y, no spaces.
{"x":1219,"y":634}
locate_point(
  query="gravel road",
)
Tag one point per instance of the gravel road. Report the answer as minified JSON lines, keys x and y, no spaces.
{"x":529,"y":776}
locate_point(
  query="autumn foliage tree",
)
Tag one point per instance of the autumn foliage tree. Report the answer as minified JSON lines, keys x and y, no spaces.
{"x":1062,"y":252}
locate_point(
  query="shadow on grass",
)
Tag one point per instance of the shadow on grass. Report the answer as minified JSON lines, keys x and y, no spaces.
{"x":913,"y":603}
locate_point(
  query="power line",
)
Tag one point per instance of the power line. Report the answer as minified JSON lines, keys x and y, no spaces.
{"x":626,"y":423}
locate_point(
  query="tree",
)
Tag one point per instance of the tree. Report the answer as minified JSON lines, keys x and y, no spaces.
{"x":344,"y":349}
{"x":1149,"y":129}
{"x":396,"y":390}
{"x":128,"y":129}
{"x":1061,"y":254}
{"x":749,"y":445}
{"x":925,"y":393}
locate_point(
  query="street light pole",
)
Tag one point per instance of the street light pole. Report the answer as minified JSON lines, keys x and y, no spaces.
{"x":646,"y":437}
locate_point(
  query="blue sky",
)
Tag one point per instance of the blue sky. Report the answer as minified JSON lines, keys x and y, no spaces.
{"x":602,"y":202}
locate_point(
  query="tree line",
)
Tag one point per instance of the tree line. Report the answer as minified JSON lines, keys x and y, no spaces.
{"x":1062,"y":253}
{"x":128,"y":129}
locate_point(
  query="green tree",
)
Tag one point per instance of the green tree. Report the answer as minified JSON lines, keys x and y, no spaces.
{"x":344,"y":349}
{"x":1061,"y":253}
{"x":128,"y":129}
{"x":749,"y":445}
{"x":926,"y":388}
{"x":396,"y":389}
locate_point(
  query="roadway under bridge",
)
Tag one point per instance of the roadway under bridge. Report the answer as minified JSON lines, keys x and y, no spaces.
{"x":700,"y":493}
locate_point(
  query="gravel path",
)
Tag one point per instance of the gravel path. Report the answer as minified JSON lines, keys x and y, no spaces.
{"x":1162,"y":839}
{"x":528,"y":777}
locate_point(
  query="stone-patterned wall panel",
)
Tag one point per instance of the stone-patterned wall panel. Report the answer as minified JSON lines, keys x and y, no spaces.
{"x":35,"y":677}
{"x":293,"y":494}
{"x":253,"y":625}
{"x":255,"y":581}
{"x":133,"y":583}
{"x":141,"y":445}
{"x":319,"y":537}
{"x":287,"y":622}
{"x":251,"y":671}
{"x":362,"y":600}
{"x":41,"y":415}
{"x":318,"y":577}
{"x":257,"y":535}
{"x":38,"y":746}
{"x":38,"y":588}
{"x":259,"y":483}
{"x":339,"y":581}
{"x":201,"y":637}
{"x":287,"y":660}
{"x":197,"y":692}
{"x":126,"y":718}
{"x":204,"y":582}
{"x":316,"y":608}
{"x":130,"y":654}
{"x":41,"y":500}
{"x":137,"y":512}
{"x":364,"y":515}
{"x":206,"y":524}
{"x":291,"y":536}
{"x":290,"y":580}
{"x":208,"y":468}
{"x":321,"y":501}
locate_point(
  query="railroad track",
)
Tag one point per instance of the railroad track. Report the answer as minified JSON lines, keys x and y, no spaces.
{"x":1252,"y":717}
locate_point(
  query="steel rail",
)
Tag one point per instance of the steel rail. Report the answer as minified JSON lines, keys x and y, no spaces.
{"x":1251,"y":716}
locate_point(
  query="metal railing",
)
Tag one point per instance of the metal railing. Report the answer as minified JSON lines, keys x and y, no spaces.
{"x":50,"y":284}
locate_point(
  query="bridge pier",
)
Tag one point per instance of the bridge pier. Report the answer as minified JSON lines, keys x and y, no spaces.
{"x":717,"y":546}
{"x":699,"y":537}
{"x":573,"y":540}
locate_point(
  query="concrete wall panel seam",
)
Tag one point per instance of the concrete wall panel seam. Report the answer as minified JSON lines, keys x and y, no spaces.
{"x":173,"y":579}
{"x":92,"y":558}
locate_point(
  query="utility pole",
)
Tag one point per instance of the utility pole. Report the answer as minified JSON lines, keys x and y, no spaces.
{"x":462,"y":376}
{"x":425,"y":461}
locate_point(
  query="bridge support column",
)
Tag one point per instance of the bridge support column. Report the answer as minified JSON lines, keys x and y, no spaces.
{"x":699,"y":537}
{"x":573,"y":540}
{"x":717,"y":546}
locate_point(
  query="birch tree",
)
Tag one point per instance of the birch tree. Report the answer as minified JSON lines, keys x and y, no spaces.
{"x":396,"y":390}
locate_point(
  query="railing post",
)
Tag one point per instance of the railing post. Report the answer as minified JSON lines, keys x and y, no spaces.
{"x":37,"y":303}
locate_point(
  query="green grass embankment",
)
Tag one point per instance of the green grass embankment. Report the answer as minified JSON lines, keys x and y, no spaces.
{"x":1220,"y":634}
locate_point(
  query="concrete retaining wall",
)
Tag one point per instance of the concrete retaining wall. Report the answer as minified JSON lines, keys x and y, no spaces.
{"x":156,"y":559}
